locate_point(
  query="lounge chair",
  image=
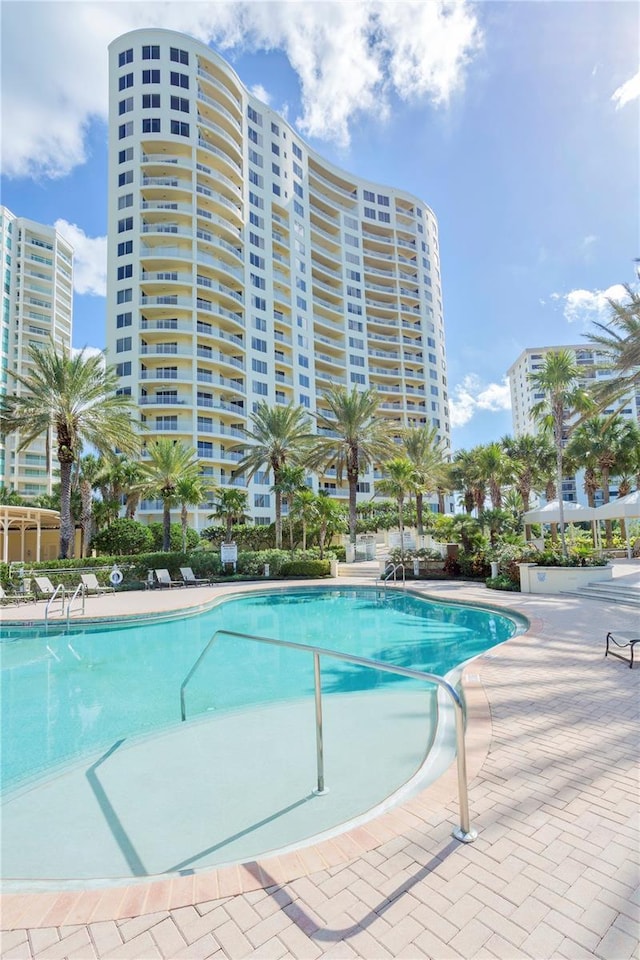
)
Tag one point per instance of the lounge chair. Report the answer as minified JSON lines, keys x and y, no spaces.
{"x":15,"y":597}
{"x":92,"y":586}
{"x":45,"y":587}
{"x":190,"y":579}
{"x":164,"y":579}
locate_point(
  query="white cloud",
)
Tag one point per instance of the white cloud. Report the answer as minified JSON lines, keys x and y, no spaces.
{"x":585,"y":306}
{"x":349,"y":57}
{"x":89,"y":259}
{"x":471,"y":395}
{"x":627,"y":92}
{"x":87,"y":351}
{"x":259,"y":91}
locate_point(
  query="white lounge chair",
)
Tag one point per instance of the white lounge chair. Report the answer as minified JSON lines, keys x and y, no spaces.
{"x":164,"y":579}
{"x":91,"y":583}
{"x":190,"y":578}
{"x":15,"y":597}
{"x":45,"y":587}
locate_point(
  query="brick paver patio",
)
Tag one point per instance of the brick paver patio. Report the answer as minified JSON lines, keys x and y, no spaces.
{"x":553,"y":874}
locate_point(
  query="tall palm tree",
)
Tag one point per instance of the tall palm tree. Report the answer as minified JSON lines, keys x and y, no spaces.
{"x":190,"y":492}
{"x":462,"y":473}
{"x":75,"y":398}
{"x":355,"y":437}
{"x":558,"y":380}
{"x":231,"y":508}
{"x":91,"y":469}
{"x":496,"y":469}
{"x":619,"y":341}
{"x":278,"y":435}
{"x":168,"y":463}
{"x":424,"y":450}
{"x":304,"y":507}
{"x":526,"y":453}
{"x":130,"y":478}
{"x":398,"y":483}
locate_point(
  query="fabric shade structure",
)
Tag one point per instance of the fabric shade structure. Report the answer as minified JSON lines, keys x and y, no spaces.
{"x":623,"y":507}
{"x":550,"y":513}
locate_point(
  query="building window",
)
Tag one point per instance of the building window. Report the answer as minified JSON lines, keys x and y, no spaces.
{"x":180,"y":128}
{"x":123,"y":320}
{"x":123,"y":392}
{"x":384,"y":217}
{"x":355,"y":360}
{"x":297,"y":169}
{"x":179,"y":56}
{"x":275,"y":149}
{"x":369,"y":196}
{"x":275,"y":129}
{"x":262,"y":500}
{"x":125,"y":57}
{"x":125,"y":155}
{"x":258,"y":302}
{"x":298,"y":208}
{"x":275,"y":187}
{"x":151,"y":125}
{"x":254,"y":116}
{"x":125,"y":130}
{"x":259,"y":323}
{"x":125,"y":106}
{"x":151,"y":53}
{"x":256,"y":240}
{"x":125,"y":248}
{"x":256,"y":260}
{"x":304,"y":400}
{"x":260,"y":388}
{"x":303,"y":380}
{"x":255,"y":200}
{"x":150,"y":101}
{"x":124,"y":296}
{"x":259,"y":366}
{"x":125,"y":271}
{"x":125,"y":201}
{"x":370,"y":213}
{"x":297,"y":189}
{"x":125,"y":224}
{"x":256,"y":178}
{"x":297,"y":152}
{"x":125,"y":82}
{"x":124,"y":178}
{"x":256,"y":220}
{"x":123,"y":345}
{"x":254,"y":136}
{"x":358,"y":378}
{"x":303,"y":361}
{"x":258,"y":282}
{"x":383,"y":201}
{"x":151,"y":76}
{"x":255,"y":157}
{"x":124,"y":369}
{"x":179,"y":80}
{"x":180,"y":103}
{"x":260,"y":345}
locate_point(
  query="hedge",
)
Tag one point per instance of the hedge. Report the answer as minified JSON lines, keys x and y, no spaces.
{"x":306,"y":568}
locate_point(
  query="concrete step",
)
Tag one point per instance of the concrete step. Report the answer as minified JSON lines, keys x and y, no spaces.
{"x":612,"y":592}
{"x":362,"y":568}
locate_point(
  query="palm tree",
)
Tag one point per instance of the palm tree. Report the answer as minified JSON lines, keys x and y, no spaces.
{"x":461,"y":473}
{"x":75,"y":398}
{"x":90,"y":471}
{"x":279,"y":435}
{"x":353,"y":437}
{"x":231,"y":508}
{"x":304,"y":508}
{"x":496,"y":469}
{"x":526,"y":454}
{"x":423,"y":449}
{"x":291,"y":481}
{"x":398,"y":483}
{"x":190,"y":492}
{"x":563,"y":398}
{"x":10,"y":498}
{"x":168,"y":463}
{"x":331,"y":515}
{"x":130,"y":479}
{"x":619,"y":341}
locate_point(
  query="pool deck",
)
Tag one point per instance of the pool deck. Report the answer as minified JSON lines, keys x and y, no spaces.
{"x":553,"y":771}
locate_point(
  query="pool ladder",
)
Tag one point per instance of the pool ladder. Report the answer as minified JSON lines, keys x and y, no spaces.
{"x":392,"y":571}
{"x":464,"y":833}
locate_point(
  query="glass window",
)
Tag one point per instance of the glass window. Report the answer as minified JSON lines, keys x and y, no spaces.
{"x":125,"y":271}
{"x":179,"y":80}
{"x":275,"y":128}
{"x":125,"y":81}
{"x":179,"y":56}
{"x":150,"y":100}
{"x":124,"y":178}
{"x":123,"y":320}
{"x":125,"y":106}
{"x":123,"y":344}
{"x":125,"y":248}
{"x":125,"y":155}
{"x":124,"y":296}
{"x":124,"y":369}
{"x":260,"y":345}
{"x":125,"y":130}
{"x":297,"y":152}
{"x":180,"y":103}
{"x":125,"y":57}
{"x":259,"y":366}
{"x":125,"y":224}
{"x":369,"y":196}
{"x":179,"y":128}
{"x":260,"y":388}
{"x":151,"y":125}
{"x":151,"y":76}
{"x":151,"y":52}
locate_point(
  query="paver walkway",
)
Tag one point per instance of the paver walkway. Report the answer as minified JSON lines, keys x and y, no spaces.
{"x":553,"y":874}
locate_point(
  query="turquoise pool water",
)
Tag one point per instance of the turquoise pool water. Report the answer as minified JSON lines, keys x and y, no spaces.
{"x":64,"y":695}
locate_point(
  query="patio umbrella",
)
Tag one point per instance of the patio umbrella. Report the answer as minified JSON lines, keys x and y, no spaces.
{"x":550,"y":513}
{"x":624,"y":508}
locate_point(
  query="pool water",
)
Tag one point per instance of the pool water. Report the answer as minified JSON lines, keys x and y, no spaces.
{"x":64,"y":695}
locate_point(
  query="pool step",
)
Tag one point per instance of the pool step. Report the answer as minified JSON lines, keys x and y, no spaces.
{"x":627,"y":592}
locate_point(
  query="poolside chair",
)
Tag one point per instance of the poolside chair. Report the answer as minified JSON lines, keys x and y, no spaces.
{"x":15,"y":597}
{"x":164,"y":579}
{"x":92,"y":586}
{"x":190,"y":579}
{"x":45,"y":587}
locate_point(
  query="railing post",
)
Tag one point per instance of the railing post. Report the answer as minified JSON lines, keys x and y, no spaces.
{"x":317,"y":683}
{"x":463,"y":833}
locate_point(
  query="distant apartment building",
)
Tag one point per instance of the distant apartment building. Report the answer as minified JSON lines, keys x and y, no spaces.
{"x":37,"y":302}
{"x":524,"y":397}
{"x":243,"y":267}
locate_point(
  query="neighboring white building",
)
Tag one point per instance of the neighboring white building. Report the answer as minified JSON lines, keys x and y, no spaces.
{"x":524,"y":397}
{"x":37,"y":302}
{"x":243,"y":267}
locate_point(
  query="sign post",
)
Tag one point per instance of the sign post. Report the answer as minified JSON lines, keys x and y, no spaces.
{"x":229,"y":554}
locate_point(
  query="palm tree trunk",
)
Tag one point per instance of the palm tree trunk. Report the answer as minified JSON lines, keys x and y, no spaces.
{"x":353,"y":516}
{"x":401,"y":524}
{"x":87,"y":516}
{"x":559,"y":489}
{"x":608,"y":526}
{"x":66,"y":521}
{"x":278,"y":518}
{"x":166,"y":526}
{"x":183,"y":521}
{"x":419,"y":509}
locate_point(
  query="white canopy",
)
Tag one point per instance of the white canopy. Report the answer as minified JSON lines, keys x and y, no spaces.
{"x":550,"y":513}
{"x":628,"y":506}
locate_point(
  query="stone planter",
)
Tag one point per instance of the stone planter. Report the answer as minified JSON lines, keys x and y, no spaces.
{"x":537,"y":579}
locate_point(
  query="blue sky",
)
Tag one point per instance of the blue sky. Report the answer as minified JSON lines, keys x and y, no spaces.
{"x":517,"y":123}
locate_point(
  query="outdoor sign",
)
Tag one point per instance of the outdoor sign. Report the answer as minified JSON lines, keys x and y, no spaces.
{"x":229,"y":552}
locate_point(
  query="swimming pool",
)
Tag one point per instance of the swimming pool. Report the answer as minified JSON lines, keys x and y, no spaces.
{"x":102,"y":780}
{"x":67,"y":694}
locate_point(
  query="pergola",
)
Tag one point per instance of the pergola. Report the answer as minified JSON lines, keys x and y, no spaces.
{"x":25,"y":518}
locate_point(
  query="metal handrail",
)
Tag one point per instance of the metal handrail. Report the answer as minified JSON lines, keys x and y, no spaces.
{"x":393,"y":572}
{"x":59,"y":589}
{"x":82,"y":590}
{"x":463,"y":833}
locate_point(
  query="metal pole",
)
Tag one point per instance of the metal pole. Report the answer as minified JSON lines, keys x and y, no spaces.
{"x":463,"y":832}
{"x":317,"y":683}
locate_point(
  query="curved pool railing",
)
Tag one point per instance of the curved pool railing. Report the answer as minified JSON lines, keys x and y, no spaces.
{"x":464,"y":833}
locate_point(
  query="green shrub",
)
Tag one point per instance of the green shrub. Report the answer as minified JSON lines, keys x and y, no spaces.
{"x":156,"y":528}
{"x":502,"y":582}
{"x":124,"y":537}
{"x":306,"y":568}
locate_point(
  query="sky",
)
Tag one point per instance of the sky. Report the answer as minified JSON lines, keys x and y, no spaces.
{"x":517,"y":123}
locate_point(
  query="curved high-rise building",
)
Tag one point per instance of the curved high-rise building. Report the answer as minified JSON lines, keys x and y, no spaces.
{"x":245,"y":267}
